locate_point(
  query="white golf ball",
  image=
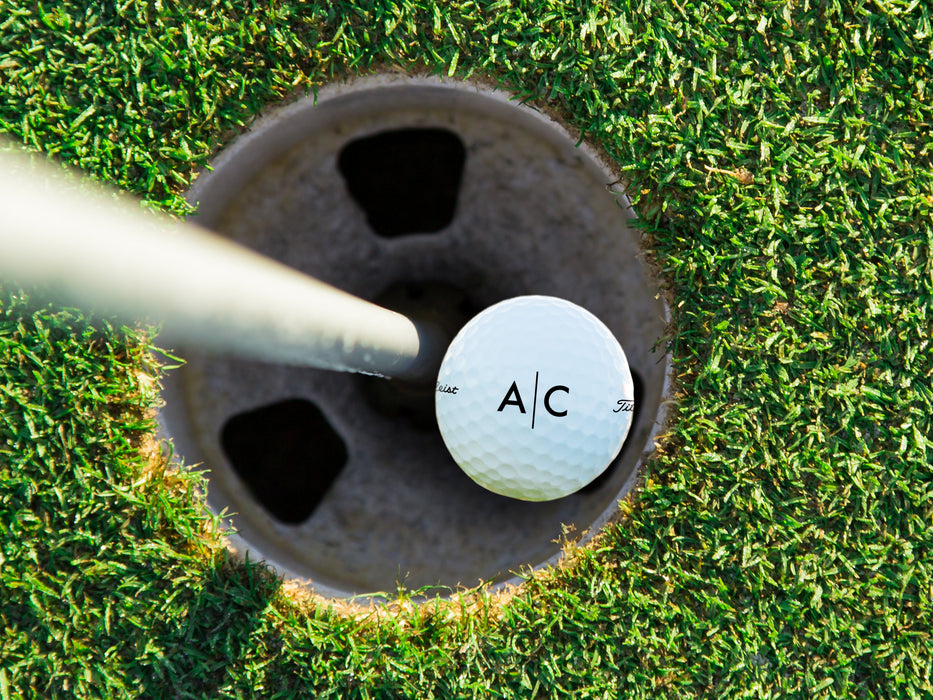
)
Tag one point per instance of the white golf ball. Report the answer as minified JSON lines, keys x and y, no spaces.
{"x":534,"y":398}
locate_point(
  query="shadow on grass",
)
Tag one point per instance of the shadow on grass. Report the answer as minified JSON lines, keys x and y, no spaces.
{"x":141,"y":633}
{"x":217,"y":629}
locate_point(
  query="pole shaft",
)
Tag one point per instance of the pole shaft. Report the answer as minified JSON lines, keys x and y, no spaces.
{"x":98,"y":251}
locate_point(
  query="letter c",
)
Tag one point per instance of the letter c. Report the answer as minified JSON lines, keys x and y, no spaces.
{"x":547,"y":400}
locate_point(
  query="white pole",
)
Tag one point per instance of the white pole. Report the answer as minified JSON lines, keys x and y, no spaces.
{"x":98,"y":251}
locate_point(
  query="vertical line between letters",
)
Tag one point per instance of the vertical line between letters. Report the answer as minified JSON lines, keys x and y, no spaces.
{"x":534,"y":405}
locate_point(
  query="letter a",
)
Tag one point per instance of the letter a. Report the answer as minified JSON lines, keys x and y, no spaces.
{"x":517,"y":401}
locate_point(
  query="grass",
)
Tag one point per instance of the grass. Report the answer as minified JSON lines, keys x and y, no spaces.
{"x":780,"y":157}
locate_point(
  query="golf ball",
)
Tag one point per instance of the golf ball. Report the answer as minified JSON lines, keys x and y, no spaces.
{"x":534,"y":398}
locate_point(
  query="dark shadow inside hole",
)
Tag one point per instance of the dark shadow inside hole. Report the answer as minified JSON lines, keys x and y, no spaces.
{"x":440,"y":303}
{"x":601,"y":480}
{"x":287,"y":454}
{"x":406,"y":180}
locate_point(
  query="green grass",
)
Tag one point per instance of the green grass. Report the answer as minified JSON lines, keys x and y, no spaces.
{"x":780,"y":157}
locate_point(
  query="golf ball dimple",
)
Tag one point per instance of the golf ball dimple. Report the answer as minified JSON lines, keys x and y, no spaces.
{"x":534,"y":398}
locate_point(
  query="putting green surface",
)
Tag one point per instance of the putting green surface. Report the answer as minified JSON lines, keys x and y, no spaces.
{"x":780,"y":158}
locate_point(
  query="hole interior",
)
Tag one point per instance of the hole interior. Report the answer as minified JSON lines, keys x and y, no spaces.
{"x":287,"y":454}
{"x":406,"y":180}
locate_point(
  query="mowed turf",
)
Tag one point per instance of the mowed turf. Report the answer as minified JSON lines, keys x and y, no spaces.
{"x":779,"y":155}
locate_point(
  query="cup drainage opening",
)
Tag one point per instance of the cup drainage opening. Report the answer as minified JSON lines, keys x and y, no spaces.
{"x":406,"y":180}
{"x":287,"y":454}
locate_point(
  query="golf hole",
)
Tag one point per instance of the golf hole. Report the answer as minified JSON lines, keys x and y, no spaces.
{"x":436,"y":199}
